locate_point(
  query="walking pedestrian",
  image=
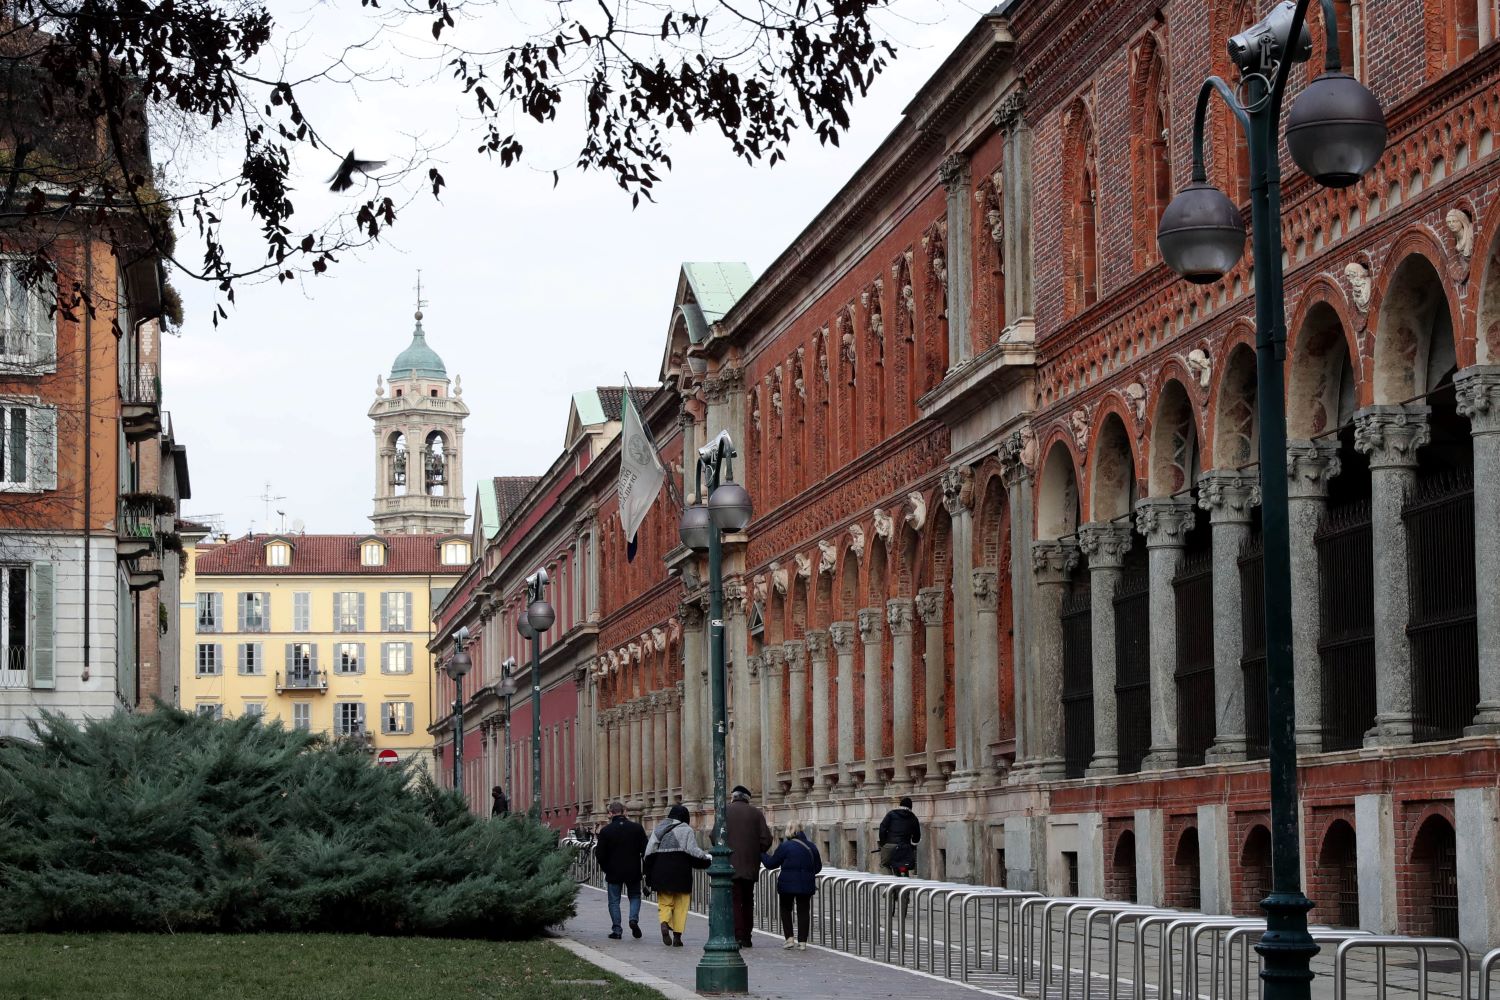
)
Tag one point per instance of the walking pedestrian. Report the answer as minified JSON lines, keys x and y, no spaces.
{"x":501,"y":805}
{"x":900,"y":832}
{"x":619,"y":848}
{"x":671,"y":855}
{"x":749,"y":837}
{"x":797,"y":863}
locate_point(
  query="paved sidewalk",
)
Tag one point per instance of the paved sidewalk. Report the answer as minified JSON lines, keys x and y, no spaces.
{"x":774,"y":973}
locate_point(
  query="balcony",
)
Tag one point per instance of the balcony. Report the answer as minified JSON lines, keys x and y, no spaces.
{"x":302,"y":680}
{"x":140,"y":402}
{"x":145,"y":572}
{"x":136,"y":527}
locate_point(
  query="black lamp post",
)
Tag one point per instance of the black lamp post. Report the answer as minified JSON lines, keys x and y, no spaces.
{"x":458,"y":664}
{"x":533,"y":623}
{"x":1335,"y":132}
{"x":722,"y":969}
{"x":507,"y":690}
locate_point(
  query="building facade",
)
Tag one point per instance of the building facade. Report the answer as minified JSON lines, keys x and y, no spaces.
{"x":1005,"y":552}
{"x":327,"y":633}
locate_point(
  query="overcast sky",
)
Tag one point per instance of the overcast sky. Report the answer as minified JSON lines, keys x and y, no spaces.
{"x":532,"y":292}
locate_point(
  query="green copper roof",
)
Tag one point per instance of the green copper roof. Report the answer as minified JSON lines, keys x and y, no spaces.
{"x":717,"y":285}
{"x":418,"y":360}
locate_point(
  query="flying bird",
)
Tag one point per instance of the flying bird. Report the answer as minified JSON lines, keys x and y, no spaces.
{"x":343,"y":177}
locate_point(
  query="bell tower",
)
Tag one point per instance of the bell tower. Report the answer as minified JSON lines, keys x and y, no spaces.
{"x":419,"y":434}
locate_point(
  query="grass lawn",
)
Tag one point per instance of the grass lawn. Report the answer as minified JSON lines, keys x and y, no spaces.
{"x":290,"y":966}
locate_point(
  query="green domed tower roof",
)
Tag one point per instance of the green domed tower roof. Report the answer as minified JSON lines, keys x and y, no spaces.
{"x":418,"y":360}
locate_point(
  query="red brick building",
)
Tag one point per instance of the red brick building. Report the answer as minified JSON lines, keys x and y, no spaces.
{"x":1005,"y":554}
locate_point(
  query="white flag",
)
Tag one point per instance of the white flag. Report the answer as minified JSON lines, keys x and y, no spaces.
{"x":641,"y":473}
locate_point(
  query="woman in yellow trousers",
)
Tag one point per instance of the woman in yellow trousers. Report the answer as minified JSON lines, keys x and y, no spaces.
{"x":671,"y":855}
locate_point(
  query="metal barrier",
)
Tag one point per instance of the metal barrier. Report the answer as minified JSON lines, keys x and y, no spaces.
{"x":1380,"y":945}
{"x":1242,"y":937}
{"x":1486,"y":967}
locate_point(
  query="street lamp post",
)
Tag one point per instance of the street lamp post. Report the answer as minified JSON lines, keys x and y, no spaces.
{"x":458,"y":664}
{"x":1336,"y":132}
{"x":722,"y":969}
{"x":507,"y":690}
{"x":533,"y":623}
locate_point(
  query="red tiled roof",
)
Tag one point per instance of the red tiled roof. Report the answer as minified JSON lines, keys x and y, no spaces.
{"x":612,"y":399}
{"x":510,"y":491}
{"x":327,"y":555}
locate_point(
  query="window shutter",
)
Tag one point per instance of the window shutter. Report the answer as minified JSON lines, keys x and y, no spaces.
{"x":360,"y":652}
{"x":43,"y":641}
{"x":265,"y":611}
{"x":406,"y":616}
{"x":244,"y":605}
{"x":218,"y":658}
{"x":408,"y":720}
{"x":359,"y":717}
{"x":385,"y":657}
{"x":216,"y":602}
{"x":291,"y":658}
{"x":385,"y":611}
{"x":41,"y":441}
{"x":43,"y":325}
{"x":409,"y":665}
{"x":359,"y":613}
{"x":387,"y":717}
{"x":244,"y":663}
{"x":260,"y":657}
{"x":312,"y":655}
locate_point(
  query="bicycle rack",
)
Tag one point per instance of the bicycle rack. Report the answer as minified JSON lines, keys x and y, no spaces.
{"x":1241,"y":936}
{"x":1090,"y":913}
{"x":1380,"y":945}
{"x":1486,"y":967}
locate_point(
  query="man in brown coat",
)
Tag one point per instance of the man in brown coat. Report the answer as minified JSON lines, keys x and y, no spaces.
{"x":749,"y":837}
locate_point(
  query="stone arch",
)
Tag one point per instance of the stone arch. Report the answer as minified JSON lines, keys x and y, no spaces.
{"x":1337,"y":877}
{"x":1112,"y":479}
{"x":1151,"y":159}
{"x":1080,"y":207}
{"x":1174,"y":461}
{"x":1057,"y":509}
{"x":1255,"y":870}
{"x":877,"y":563}
{"x":797,"y":609}
{"x":1123,"y":884}
{"x":1451,"y":28}
{"x":1487,"y":264}
{"x":1414,"y":335}
{"x":909,"y":552}
{"x":990,"y":524}
{"x":1322,"y":391}
{"x":776,"y":622}
{"x":1187,"y":871}
{"x":822,"y":608}
{"x":1231,"y":170}
{"x":848,"y":599}
{"x":1236,"y":423}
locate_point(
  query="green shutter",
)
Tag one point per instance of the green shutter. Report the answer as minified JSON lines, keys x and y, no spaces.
{"x":43,"y":632}
{"x":42,"y":442}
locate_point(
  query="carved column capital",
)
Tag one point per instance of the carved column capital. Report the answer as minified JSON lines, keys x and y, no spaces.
{"x":754,"y":664}
{"x":1010,"y":115}
{"x":958,"y":491}
{"x":734,"y":598}
{"x":1229,"y":496}
{"x":900,"y":615}
{"x":772,"y":657}
{"x":1391,"y":435}
{"x":842,"y":636}
{"x":987,"y":591}
{"x":930,"y":605}
{"x":795,"y":652}
{"x":1105,"y":543}
{"x":690,"y":613}
{"x":817,"y":644}
{"x":1165,"y":521}
{"x":871,"y":623}
{"x":1018,"y":456}
{"x":1478,"y":390}
{"x":1054,"y":560}
{"x":1309,"y":467}
{"x":954,"y":172}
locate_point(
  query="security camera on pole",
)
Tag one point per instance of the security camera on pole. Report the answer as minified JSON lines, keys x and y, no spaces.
{"x":1336,"y":132}
{"x":458,"y":664}
{"x":533,"y":623}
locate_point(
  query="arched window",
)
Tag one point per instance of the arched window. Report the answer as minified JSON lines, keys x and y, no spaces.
{"x":1339,"y":864}
{"x":1081,"y":225}
{"x":1151,"y":165}
{"x":1255,"y":871}
{"x":1432,"y":882}
{"x":1452,"y":33}
{"x":1122,"y":878}
{"x":1187,"y":876}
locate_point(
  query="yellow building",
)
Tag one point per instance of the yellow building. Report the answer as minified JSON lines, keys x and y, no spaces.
{"x":326,"y":632}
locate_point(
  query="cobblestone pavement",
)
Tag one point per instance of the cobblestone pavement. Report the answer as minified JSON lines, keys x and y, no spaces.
{"x":774,"y":973}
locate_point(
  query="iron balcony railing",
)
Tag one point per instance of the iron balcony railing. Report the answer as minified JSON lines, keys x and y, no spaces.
{"x":136,"y":527}
{"x":302,"y":680}
{"x":140,"y":385}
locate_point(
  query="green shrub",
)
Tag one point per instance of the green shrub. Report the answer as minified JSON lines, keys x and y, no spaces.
{"x":171,"y":822}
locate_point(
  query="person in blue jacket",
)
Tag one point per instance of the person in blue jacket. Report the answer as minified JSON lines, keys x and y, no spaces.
{"x":799,"y":863}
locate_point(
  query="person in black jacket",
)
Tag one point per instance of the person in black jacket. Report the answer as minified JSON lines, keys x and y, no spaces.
{"x":900,"y":832}
{"x":621,"y":844}
{"x":799,"y":863}
{"x":501,"y":805}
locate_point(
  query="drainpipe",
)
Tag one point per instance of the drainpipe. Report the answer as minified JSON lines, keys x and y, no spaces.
{"x":88,"y":452}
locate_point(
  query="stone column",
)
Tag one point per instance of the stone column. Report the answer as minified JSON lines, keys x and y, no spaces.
{"x":842,"y":636}
{"x":1053,"y":562}
{"x":1309,"y":467}
{"x":674,"y":739}
{"x":774,"y":746}
{"x":753,"y":773}
{"x":1105,"y":543}
{"x":744,"y":758}
{"x":959,"y":257}
{"x":817,"y":655}
{"x":986,"y":668}
{"x":638,"y":750}
{"x":900,"y":615}
{"x":796,"y":671}
{"x":694,"y":724}
{"x":659,"y":753}
{"x":1017,"y":462}
{"x":968,"y":681}
{"x":930,"y":609}
{"x":1229,"y":497}
{"x":1390,"y":436}
{"x":871,"y":632}
{"x":1479,"y":400}
{"x":601,"y":754}
{"x":1165,"y":523}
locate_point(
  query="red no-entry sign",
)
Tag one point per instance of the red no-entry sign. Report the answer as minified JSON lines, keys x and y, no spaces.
{"x":387,"y":757}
